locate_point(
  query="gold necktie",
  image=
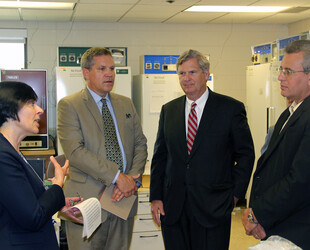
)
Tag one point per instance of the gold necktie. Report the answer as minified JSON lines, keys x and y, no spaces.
{"x":111,"y":143}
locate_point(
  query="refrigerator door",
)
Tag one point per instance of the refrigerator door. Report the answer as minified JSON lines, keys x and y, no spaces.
{"x":68,"y":81}
{"x":150,"y":92}
{"x":278,"y":102}
{"x":123,"y":81}
{"x":258,"y":101}
{"x":264,"y":103}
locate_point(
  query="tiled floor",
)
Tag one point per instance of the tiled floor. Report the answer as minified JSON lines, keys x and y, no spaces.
{"x":238,"y":239}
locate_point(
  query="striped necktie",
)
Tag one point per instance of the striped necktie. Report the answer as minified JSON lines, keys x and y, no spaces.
{"x":192,"y":127}
{"x":111,"y":143}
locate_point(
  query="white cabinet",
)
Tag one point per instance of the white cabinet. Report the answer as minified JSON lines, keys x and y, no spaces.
{"x":146,"y":234}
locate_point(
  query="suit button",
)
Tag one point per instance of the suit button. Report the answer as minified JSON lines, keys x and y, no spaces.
{"x":257,"y":177}
{"x":187,"y":166}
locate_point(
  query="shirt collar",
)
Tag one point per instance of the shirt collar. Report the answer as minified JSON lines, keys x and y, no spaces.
{"x":97,"y":97}
{"x":201,"y":101}
{"x":295,"y":106}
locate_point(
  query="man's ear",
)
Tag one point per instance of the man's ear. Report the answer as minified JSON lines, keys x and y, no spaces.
{"x":207,"y":74}
{"x":85,"y":73}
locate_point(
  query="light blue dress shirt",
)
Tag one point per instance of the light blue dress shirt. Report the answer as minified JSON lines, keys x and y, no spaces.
{"x":97,"y":99}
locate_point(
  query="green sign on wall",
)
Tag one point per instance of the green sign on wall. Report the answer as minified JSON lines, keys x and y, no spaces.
{"x":71,"y":56}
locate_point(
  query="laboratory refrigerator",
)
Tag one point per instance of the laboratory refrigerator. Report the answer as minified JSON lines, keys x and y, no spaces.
{"x":264,"y":103}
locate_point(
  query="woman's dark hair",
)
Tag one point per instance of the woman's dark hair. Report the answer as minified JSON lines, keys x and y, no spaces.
{"x":13,"y":96}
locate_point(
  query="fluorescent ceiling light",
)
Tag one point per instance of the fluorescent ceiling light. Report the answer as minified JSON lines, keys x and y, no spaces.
{"x":206,"y":8}
{"x":37,"y":5}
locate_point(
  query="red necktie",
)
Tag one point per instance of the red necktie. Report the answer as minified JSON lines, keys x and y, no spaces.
{"x":192,"y":127}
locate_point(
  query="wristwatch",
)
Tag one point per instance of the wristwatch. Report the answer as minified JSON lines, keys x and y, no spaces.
{"x":251,"y":217}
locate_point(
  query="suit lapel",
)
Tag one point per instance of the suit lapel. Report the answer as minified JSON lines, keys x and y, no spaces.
{"x":208,"y":116}
{"x":31,"y":175}
{"x":181,"y":130}
{"x":119,"y":114}
{"x":275,"y":138}
{"x":93,"y":108}
{"x":278,"y":134}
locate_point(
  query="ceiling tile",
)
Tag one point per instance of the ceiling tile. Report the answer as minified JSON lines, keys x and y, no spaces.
{"x":46,"y":15}
{"x":69,"y":1}
{"x":284,"y":18}
{"x":227,"y":2}
{"x":153,"y":11}
{"x":240,"y":17}
{"x":190,"y":17}
{"x":100,"y":12}
{"x":158,"y":11}
{"x":9,"y":14}
{"x":165,"y":3}
{"x":108,"y":1}
{"x":282,"y":3}
{"x":141,"y":20}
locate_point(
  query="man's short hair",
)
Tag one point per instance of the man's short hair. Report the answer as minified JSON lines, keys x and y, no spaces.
{"x":203,"y":62}
{"x":301,"y":46}
{"x":87,"y":60}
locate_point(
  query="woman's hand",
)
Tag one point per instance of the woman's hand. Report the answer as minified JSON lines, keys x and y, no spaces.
{"x":72,"y":212}
{"x":60,"y":172}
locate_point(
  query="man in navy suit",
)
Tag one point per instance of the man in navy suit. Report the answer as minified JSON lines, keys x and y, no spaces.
{"x":280,"y":196}
{"x":202,"y":163}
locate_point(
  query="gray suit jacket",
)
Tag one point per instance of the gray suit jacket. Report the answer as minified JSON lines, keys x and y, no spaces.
{"x":80,"y":130}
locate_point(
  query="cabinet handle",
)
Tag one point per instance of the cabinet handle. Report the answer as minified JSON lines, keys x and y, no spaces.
{"x":43,"y":103}
{"x":146,"y":219}
{"x":149,"y":236}
{"x":144,"y":195}
{"x":143,"y":201}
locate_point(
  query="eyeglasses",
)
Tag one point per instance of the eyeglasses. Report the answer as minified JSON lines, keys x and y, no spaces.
{"x":287,"y":71}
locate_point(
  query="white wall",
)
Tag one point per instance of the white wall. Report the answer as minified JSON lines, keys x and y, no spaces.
{"x":229,"y":46}
{"x":299,"y":27}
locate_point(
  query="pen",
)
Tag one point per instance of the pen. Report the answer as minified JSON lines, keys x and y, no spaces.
{"x":75,"y":202}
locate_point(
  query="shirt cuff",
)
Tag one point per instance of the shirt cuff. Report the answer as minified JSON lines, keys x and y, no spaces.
{"x":116,"y":176}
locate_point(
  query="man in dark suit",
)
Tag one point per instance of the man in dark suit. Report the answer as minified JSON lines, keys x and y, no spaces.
{"x":202,"y":163}
{"x":99,"y":155}
{"x":280,"y":196}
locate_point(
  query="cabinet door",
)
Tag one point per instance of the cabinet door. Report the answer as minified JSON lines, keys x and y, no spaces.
{"x":144,"y":223}
{"x":147,"y":241}
{"x":144,"y":206}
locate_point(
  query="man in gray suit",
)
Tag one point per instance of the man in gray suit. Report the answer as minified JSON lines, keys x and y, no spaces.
{"x":94,"y":161}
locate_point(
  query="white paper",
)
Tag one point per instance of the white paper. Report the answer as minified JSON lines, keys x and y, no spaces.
{"x":91,"y":212}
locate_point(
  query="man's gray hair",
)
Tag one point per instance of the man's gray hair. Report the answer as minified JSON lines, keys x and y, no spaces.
{"x":301,"y":46}
{"x":87,"y":60}
{"x":203,"y":62}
